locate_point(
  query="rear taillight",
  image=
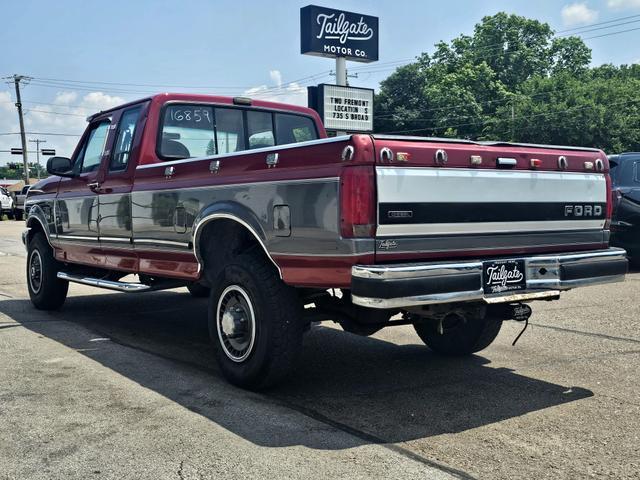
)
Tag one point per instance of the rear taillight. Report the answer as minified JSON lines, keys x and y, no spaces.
{"x":610,"y":194}
{"x":357,"y":201}
{"x":616,"y":198}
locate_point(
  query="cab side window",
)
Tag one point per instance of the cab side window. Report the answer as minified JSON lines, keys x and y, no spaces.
{"x":260,"y":129}
{"x":187,"y":132}
{"x":294,"y":128}
{"x":124,"y":139}
{"x":91,"y":154}
{"x":229,"y":130}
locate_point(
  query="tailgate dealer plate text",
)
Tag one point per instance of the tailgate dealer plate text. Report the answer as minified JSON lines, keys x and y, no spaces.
{"x":503,"y":276}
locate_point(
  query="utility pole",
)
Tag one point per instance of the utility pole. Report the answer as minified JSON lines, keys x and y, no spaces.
{"x":38,"y":141}
{"x":16,"y":79}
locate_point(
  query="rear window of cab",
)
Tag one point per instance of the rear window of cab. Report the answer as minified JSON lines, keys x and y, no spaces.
{"x":200,"y":130}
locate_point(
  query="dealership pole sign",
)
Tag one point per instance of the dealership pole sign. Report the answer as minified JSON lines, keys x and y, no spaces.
{"x":326,"y":32}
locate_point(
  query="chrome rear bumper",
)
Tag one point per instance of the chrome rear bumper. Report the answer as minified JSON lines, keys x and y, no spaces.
{"x":414,"y":284}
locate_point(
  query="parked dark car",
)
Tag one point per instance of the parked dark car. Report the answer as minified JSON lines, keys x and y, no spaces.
{"x":625,"y":225}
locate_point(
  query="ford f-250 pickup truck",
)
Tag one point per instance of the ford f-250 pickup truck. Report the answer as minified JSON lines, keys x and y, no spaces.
{"x":249,"y":203}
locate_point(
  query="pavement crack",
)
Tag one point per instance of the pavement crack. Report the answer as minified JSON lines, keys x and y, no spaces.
{"x":588,"y":334}
{"x":372,"y":439}
{"x":181,"y":470}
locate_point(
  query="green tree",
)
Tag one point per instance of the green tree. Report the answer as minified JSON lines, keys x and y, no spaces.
{"x":513,"y":80}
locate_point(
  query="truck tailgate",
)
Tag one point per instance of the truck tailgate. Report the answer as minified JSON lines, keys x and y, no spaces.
{"x":487,"y":199}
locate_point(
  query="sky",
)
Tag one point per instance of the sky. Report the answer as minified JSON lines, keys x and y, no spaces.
{"x":85,"y":56}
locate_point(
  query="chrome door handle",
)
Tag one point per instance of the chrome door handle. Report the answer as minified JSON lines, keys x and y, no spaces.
{"x":94,"y":185}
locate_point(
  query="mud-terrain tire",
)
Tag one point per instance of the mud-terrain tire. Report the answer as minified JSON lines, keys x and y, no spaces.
{"x":46,"y":290}
{"x":198,"y":291}
{"x":255,"y":322}
{"x":460,"y":336}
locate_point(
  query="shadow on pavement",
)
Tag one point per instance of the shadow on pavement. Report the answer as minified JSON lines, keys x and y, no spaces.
{"x":375,"y":390}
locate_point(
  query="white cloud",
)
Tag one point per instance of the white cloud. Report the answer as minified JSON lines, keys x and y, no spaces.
{"x":71,"y":110}
{"x":623,"y":4}
{"x":578,"y":14}
{"x":276,"y":77}
{"x":291,"y":92}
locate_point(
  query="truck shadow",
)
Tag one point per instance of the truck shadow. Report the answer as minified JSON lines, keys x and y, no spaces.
{"x":374,"y":390}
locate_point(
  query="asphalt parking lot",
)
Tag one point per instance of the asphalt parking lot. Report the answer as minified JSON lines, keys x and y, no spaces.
{"x":125,"y":386}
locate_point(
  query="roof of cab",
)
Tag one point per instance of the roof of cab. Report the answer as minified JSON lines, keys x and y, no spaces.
{"x":221,"y":100}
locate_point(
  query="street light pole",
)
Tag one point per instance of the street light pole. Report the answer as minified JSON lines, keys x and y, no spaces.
{"x":38,"y":141}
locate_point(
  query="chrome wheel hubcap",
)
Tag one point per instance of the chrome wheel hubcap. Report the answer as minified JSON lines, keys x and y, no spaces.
{"x":35,"y":271}
{"x":235,"y":322}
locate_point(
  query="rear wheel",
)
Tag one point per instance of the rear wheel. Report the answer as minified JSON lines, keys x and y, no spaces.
{"x":254,"y":322}
{"x":18,"y":214}
{"x":46,"y":290}
{"x":459,"y":334}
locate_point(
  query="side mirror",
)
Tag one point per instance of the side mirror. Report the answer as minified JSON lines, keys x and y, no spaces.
{"x":60,"y":166}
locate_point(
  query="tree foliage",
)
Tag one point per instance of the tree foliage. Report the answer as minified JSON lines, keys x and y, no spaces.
{"x":513,"y":80}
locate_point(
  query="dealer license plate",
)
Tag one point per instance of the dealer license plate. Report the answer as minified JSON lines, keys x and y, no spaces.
{"x":503,"y":276}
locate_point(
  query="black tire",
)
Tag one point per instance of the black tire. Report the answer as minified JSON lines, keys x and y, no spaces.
{"x":46,"y":290}
{"x":18,"y":215}
{"x":460,"y":335}
{"x":198,"y":291}
{"x":265,"y":341}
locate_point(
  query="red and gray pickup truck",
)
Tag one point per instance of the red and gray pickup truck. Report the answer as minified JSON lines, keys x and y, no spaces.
{"x":249,"y":203}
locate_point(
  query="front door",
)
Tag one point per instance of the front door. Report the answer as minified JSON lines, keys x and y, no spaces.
{"x":77,"y":207}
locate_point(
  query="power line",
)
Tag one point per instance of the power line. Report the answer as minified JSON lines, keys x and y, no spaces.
{"x":44,"y":133}
{"x":598,"y":28}
{"x":484,"y":122}
{"x":51,"y":112}
{"x":159,"y":85}
{"x":612,"y":33}
{"x":599,"y":23}
{"x":480,"y":50}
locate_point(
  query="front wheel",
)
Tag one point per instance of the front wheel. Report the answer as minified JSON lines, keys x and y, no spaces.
{"x":254,"y":322}
{"x":459,"y":334}
{"x":46,"y":290}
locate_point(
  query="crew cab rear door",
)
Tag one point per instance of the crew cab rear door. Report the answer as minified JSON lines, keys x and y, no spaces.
{"x":114,"y":191}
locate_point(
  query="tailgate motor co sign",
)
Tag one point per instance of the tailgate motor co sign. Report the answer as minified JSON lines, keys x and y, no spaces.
{"x":347,"y":109}
{"x":335,"y":33}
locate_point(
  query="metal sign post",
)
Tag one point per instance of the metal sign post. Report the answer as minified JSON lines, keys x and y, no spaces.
{"x":341,"y":78}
